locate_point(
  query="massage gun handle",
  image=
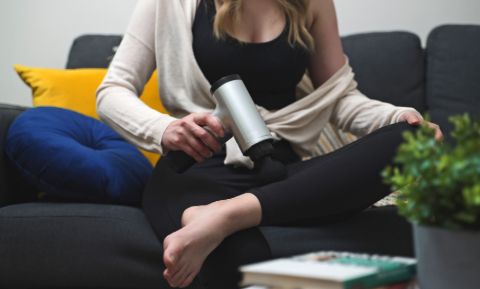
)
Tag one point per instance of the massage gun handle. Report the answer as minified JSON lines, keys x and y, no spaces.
{"x":180,"y":161}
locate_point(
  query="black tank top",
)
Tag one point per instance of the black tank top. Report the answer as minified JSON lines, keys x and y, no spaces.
{"x":271,"y":70}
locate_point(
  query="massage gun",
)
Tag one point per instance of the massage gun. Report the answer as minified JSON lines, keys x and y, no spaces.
{"x":240,"y":118}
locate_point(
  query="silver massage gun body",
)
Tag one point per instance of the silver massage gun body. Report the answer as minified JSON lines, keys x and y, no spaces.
{"x":239,"y":117}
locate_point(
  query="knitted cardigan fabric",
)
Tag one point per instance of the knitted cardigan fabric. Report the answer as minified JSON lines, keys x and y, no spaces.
{"x":159,"y":36}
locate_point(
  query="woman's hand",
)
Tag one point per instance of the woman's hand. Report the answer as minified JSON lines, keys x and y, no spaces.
{"x":414,"y":119}
{"x":187,"y":134}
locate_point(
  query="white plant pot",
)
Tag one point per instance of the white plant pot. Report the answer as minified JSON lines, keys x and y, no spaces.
{"x":447,"y":259}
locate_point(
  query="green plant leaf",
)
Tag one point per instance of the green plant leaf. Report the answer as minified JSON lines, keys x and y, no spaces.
{"x":439,"y":183}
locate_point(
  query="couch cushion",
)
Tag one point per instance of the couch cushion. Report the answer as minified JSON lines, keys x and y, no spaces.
{"x":389,"y":66}
{"x":76,"y":157}
{"x":453,"y":73}
{"x":93,"y":51}
{"x":12,"y":187}
{"x":375,"y":231}
{"x":55,"y":245}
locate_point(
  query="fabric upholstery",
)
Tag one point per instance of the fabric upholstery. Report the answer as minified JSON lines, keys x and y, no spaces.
{"x":59,"y":245}
{"x":55,"y":245}
{"x":76,"y":157}
{"x":93,"y":51}
{"x":453,"y":73}
{"x":389,"y":66}
{"x":12,"y":187}
{"x":375,"y":231}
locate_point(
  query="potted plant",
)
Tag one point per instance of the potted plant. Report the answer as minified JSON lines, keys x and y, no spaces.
{"x":439,"y":186}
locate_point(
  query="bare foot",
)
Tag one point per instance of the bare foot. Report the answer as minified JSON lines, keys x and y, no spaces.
{"x":186,"y":249}
{"x":204,"y":228}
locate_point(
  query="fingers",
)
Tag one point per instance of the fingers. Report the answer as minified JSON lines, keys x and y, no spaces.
{"x":180,"y":142}
{"x":439,"y":135}
{"x":191,"y":151}
{"x":412,"y":118}
{"x":438,"y":131}
{"x":190,"y":136}
{"x":205,"y":119}
{"x":203,"y":135}
{"x":193,"y":135}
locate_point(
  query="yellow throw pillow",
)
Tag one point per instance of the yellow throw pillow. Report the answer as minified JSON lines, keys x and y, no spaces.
{"x":75,"y":89}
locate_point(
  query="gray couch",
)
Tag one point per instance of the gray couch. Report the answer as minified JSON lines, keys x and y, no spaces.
{"x":57,"y":244}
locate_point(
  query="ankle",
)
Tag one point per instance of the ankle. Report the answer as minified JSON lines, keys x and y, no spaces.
{"x":242,"y":212}
{"x":189,"y":215}
{"x":228,"y":216}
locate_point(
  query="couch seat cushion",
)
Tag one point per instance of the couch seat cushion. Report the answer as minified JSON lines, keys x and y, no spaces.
{"x":55,"y":245}
{"x":376,"y":231}
{"x":58,"y":245}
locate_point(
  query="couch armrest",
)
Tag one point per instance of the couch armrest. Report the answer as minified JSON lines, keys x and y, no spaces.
{"x":12,"y":188}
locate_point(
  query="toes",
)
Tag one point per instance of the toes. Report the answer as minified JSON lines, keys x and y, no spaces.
{"x":167,"y":276}
{"x":169,"y":260}
{"x":180,"y":276}
{"x":175,"y":262}
{"x":172,"y":279}
{"x":176,"y":273}
{"x":172,"y":273}
{"x":188,"y":280}
{"x":171,"y":254}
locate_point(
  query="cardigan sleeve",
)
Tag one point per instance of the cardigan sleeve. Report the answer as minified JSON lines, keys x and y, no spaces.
{"x":360,"y":115}
{"x":118,"y":103}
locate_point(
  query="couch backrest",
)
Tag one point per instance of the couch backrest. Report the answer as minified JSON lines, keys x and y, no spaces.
{"x":93,"y":51}
{"x":453,"y":72}
{"x":389,"y":66}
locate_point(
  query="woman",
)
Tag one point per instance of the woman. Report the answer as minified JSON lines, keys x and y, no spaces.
{"x":270,"y":43}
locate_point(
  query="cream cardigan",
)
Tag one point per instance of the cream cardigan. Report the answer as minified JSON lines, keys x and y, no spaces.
{"x":160,"y":36}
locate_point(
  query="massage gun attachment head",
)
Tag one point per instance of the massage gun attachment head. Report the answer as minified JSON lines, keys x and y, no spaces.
{"x":239,"y":115}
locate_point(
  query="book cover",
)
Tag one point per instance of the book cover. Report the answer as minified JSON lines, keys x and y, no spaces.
{"x":330,"y":270}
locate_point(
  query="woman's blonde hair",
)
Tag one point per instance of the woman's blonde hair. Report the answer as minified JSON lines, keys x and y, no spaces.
{"x":295,"y":11}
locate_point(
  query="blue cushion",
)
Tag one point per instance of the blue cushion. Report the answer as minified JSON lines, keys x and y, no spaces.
{"x":73,"y":156}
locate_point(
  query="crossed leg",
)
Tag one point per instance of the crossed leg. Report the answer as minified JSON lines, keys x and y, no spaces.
{"x":338,"y":184}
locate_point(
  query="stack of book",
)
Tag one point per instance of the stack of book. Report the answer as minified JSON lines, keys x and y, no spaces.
{"x":332,"y":270}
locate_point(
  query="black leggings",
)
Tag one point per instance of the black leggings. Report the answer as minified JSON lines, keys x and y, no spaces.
{"x":333,"y":186}
{"x":321,"y":190}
